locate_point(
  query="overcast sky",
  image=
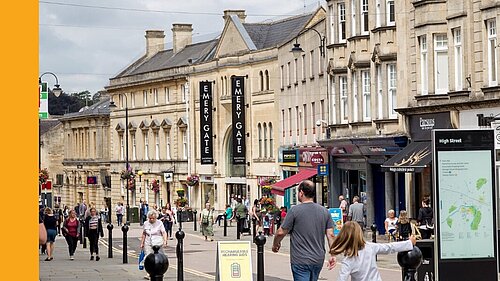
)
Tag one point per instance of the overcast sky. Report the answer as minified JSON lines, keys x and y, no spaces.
{"x":87,"y":42}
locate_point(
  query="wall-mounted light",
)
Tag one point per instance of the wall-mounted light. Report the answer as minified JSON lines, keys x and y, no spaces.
{"x":297,"y":50}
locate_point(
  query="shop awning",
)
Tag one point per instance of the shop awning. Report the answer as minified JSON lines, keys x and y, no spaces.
{"x":412,"y":159}
{"x":279,"y":187}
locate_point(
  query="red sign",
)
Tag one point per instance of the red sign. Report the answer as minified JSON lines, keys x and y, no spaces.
{"x":317,"y":159}
{"x":47,"y":185}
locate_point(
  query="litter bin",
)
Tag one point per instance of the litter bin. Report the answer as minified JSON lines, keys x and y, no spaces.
{"x":426,"y":271}
{"x":134,"y":214}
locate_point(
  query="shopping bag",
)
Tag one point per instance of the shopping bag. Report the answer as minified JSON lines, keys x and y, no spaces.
{"x":141,"y":260}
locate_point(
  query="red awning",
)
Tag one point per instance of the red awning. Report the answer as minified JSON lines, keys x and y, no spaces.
{"x":279,"y":187}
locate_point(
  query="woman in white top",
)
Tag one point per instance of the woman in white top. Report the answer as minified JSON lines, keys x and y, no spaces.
{"x":359,"y":256}
{"x":390,"y":224}
{"x":154,"y":233}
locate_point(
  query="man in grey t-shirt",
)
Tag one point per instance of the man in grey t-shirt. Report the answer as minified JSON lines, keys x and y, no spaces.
{"x":307,"y":223}
{"x":357,"y":212}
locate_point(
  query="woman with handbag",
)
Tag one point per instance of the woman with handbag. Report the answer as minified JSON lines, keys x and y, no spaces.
{"x":93,"y":229}
{"x":153,"y":234}
{"x":71,"y":231}
{"x":207,"y":221}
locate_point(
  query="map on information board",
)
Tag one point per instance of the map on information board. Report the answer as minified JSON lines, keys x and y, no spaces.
{"x":466,"y":204}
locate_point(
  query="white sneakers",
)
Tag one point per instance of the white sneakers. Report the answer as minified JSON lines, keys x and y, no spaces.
{"x":71,"y":257}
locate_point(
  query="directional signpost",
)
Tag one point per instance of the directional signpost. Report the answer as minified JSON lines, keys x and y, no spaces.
{"x":43,"y":106}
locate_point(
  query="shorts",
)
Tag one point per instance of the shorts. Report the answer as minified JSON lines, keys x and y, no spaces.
{"x":51,"y":235}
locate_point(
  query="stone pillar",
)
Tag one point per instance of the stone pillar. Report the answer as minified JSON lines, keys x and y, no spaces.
{"x":370,"y":206}
{"x":389,"y":191}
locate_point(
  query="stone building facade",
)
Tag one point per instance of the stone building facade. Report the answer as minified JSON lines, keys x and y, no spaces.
{"x":51,"y":158}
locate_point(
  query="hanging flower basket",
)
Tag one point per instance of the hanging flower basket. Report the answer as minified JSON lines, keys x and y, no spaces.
{"x":268,"y":204}
{"x":192,"y":180}
{"x":266,"y":189}
{"x":155,"y":185}
{"x":131,"y":184}
{"x":267,"y":182}
{"x":181,"y":202}
{"x":126,"y":174}
{"x":43,"y":176}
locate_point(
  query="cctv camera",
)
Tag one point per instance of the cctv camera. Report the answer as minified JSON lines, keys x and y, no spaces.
{"x":318,"y":123}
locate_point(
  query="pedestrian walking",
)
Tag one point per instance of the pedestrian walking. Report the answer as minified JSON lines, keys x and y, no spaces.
{"x":357,"y":212}
{"x":65,"y":212}
{"x":166,"y":217}
{"x":82,"y":209}
{"x":256,"y":215}
{"x":104,"y":213}
{"x":50,"y":223}
{"x":344,"y":206}
{"x":119,"y":213}
{"x":425,"y":218}
{"x":359,"y":261}
{"x":71,"y":232}
{"x":153,"y":234}
{"x":93,"y":229}
{"x":207,"y":222}
{"x":241,"y":214}
{"x":58,"y":215}
{"x":307,"y":223}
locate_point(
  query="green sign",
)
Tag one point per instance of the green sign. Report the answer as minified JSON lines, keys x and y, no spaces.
{"x":43,"y":104}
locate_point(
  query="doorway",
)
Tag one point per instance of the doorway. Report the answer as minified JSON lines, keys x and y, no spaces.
{"x":235,"y":189}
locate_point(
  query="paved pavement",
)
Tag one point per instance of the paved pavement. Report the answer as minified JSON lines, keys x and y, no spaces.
{"x":199,"y":259}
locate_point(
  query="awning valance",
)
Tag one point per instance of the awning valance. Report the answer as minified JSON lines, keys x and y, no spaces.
{"x":279,"y":187}
{"x":412,"y":159}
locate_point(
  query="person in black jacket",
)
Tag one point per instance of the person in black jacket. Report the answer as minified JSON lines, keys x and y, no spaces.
{"x":93,"y":229}
{"x":50,"y":223}
{"x":425,"y":218}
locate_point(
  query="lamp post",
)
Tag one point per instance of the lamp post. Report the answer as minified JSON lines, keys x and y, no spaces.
{"x":57,"y":92}
{"x":113,"y":105}
{"x":297,"y":50}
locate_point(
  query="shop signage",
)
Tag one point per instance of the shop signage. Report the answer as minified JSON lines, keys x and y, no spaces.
{"x":206,"y":132}
{"x":238,"y":118}
{"x":43,"y":104}
{"x":421,"y":125}
{"x":168,"y":177}
{"x":323,"y":170}
{"x":91,"y":180}
{"x":317,"y":159}
{"x":289,"y":156}
{"x":234,"y":261}
{"x":306,"y":155}
{"x":207,"y":179}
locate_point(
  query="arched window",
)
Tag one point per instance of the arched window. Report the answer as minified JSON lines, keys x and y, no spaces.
{"x":261,"y":81}
{"x":260,"y":140}
{"x":267,"y":80}
{"x":271,"y":142}
{"x":265,"y":140}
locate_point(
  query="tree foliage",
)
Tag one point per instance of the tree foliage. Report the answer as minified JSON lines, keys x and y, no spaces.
{"x":70,"y":103}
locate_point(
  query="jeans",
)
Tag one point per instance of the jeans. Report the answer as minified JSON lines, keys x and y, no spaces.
{"x":72,"y":242}
{"x":119,"y":219}
{"x":306,"y":272}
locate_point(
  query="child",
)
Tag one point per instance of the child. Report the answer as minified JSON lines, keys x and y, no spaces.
{"x":403,"y":226}
{"x":266,"y":225}
{"x":359,"y":262}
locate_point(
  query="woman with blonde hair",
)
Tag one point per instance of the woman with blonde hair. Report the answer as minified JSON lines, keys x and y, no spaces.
{"x":359,"y":262}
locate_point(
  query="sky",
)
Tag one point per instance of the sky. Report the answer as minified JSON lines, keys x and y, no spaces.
{"x":84,"y":43}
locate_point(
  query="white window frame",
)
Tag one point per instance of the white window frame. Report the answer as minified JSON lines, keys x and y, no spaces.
{"x":168,"y":144}
{"x":378,"y":13}
{"x":146,"y":145}
{"x":155,"y":96}
{"x":342,"y":23}
{"x":265,"y":140}
{"x":259,"y":131}
{"x":365,"y":76}
{"x":440,"y":48}
{"x":344,"y":105}
{"x":132,"y":100}
{"x":157,"y":145}
{"x":355,"y":107}
{"x":122,"y":147}
{"x":183,"y":92}
{"x":184,"y":144}
{"x":333,"y":100}
{"x":353,"y":17}
{"x":364,"y":17}
{"x":492,"y":53}
{"x":388,"y":5}
{"x":391,"y":90}
{"x":271,"y":140}
{"x":459,"y":61}
{"x":145,"y":98}
{"x":332,"y":23}
{"x":167,"y":95}
{"x":134,"y":150}
{"x":424,"y":66}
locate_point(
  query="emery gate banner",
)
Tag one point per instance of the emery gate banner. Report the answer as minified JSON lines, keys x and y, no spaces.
{"x":238,"y":106}
{"x":206,"y":131}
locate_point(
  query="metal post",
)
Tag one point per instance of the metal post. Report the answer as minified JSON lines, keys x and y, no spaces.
{"x":84,"y":236}
{"x":179,"y":218}
{"x":81,"y":232}
{"x":374,"y":232}
{"x":194,"y":219}
{"x":260,"y":240}
{"x":180,"y":252}
{"x":125,"y":256}
{"x":238,"y":229}
{"x":225,"y":224}
{"x":126,"y":158}
{"x":110,"y":240}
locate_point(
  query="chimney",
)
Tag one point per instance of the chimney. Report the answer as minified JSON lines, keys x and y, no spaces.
{"x":182,"y":35}
{"x":239,"y":13}
{"x":155,"y":42}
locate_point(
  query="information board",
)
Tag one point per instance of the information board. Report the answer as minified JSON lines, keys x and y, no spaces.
{"x":234,"y":261}
{"x":336,"y":215}
{"x":465,"y":203}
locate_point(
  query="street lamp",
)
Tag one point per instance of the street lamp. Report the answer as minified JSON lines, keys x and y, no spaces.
{"x":113,"y":106}
{"x":297,"y":50}
{"x":57,"y":92}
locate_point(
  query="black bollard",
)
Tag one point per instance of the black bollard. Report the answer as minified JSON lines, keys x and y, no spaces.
{"x":409,"y":262}
{"x":254,"y":221}
{"x":156,"y":264}
{"x":81,"y":236}
{"x":84,"y":237}
{"x":374,"y":232}
{"x":260,"y":240}
{"x":238,"y":228}
{"x":194,"y":219}
{"x":110,"y":240}
{"x":225,"y":224}
{"x":180,"y":252}
{"x":125,"y":256}
{"x":179,"y":218}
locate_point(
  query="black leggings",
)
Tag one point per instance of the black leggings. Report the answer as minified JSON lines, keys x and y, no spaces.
{"x":93,"y":236}
{"x":72,"y":242}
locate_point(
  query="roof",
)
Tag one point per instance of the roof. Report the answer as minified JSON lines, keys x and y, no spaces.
{"x":47,"y":124}
{"x":273,"y":34}
{"x":198,"y":52}
{"x":99,"y":108}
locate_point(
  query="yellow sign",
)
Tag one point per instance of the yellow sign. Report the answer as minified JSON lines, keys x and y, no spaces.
{"x":234,"y":261}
